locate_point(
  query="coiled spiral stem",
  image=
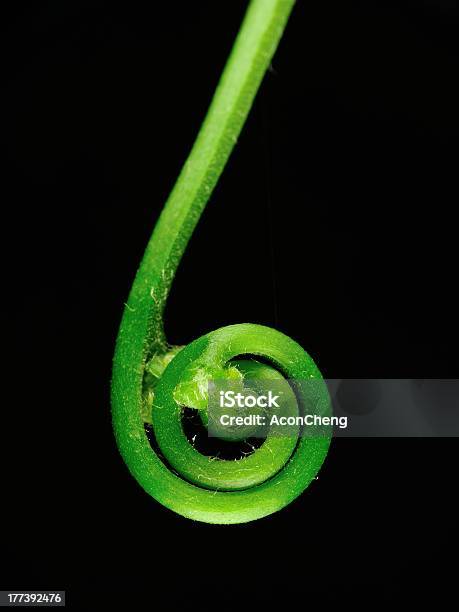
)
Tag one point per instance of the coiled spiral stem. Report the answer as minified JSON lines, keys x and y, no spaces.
{"x":153,"y":382}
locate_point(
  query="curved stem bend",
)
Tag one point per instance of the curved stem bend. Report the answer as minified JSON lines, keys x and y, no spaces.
{"x":141,"y":335}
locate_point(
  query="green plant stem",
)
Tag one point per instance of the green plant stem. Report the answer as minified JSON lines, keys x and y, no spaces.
{"x":142,"y":337}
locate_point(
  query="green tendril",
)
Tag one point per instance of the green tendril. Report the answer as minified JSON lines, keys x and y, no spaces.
{"x":153,"y":382}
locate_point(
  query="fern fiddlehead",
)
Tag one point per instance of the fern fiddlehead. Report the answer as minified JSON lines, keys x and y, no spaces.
{"x":153,"y":382}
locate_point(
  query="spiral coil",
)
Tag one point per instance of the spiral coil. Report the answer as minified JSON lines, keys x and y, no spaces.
{"x":153,"y":382}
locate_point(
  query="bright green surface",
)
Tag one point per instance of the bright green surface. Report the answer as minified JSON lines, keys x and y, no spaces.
{"x":259,"y":484}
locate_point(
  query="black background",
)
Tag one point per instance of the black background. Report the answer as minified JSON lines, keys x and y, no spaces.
{"x":333,"y":222}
